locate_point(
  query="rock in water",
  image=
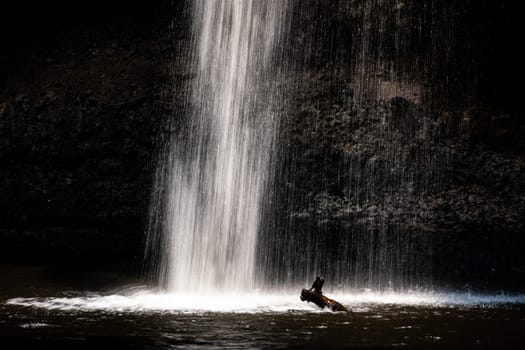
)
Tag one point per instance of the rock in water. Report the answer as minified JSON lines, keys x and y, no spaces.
{"x":315,"y":295}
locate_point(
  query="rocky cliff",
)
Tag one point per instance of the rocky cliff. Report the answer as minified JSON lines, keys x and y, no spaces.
{"x":403,"y":124}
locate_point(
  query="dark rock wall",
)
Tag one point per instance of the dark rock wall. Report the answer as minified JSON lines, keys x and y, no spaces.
{"x":404,"y":124}
{"x":387,"y":172}
{"x":86,"y":91}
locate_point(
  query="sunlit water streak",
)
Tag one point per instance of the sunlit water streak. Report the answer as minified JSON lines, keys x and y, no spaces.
{"x":220,"y":160}
{"x":146,"y":301}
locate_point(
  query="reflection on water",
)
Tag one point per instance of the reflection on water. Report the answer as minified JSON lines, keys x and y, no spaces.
{"x":371,"y":326}
{"x":138,"y":319}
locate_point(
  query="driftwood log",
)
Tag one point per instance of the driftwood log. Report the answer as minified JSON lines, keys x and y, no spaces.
{"x":315,"y":295}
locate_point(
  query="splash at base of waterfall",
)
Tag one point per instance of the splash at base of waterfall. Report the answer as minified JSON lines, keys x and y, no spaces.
{"x":146,"y":301}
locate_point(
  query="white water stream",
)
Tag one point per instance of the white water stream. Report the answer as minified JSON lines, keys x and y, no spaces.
{"x":220,"y":163}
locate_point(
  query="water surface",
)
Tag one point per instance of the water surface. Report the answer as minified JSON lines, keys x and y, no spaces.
{"x":43,"y":312}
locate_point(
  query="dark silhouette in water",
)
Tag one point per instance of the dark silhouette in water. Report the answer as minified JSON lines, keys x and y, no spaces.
{"x":317,"y":286}
{"x":315,"y":295}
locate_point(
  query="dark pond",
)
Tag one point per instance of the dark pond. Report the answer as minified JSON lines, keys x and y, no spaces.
{"x":41,"y":312}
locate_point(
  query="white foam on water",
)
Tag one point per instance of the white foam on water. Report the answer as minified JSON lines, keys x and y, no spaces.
{"x":35,"y":325}
{"x":146,"y":301}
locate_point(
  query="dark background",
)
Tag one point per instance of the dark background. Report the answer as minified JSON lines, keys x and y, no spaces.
{"x":87,"y":88}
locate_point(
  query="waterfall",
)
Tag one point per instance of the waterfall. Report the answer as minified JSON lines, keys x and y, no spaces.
{"x":365,"y":159}
{"x":217,"y":173}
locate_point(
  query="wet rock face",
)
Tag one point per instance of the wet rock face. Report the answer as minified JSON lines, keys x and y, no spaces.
{"x":419,"y":181}
{"x":408,"y":139}
{"x":402,"y":159}
{"x":82,"y":109}
{"x":382,"y":149}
